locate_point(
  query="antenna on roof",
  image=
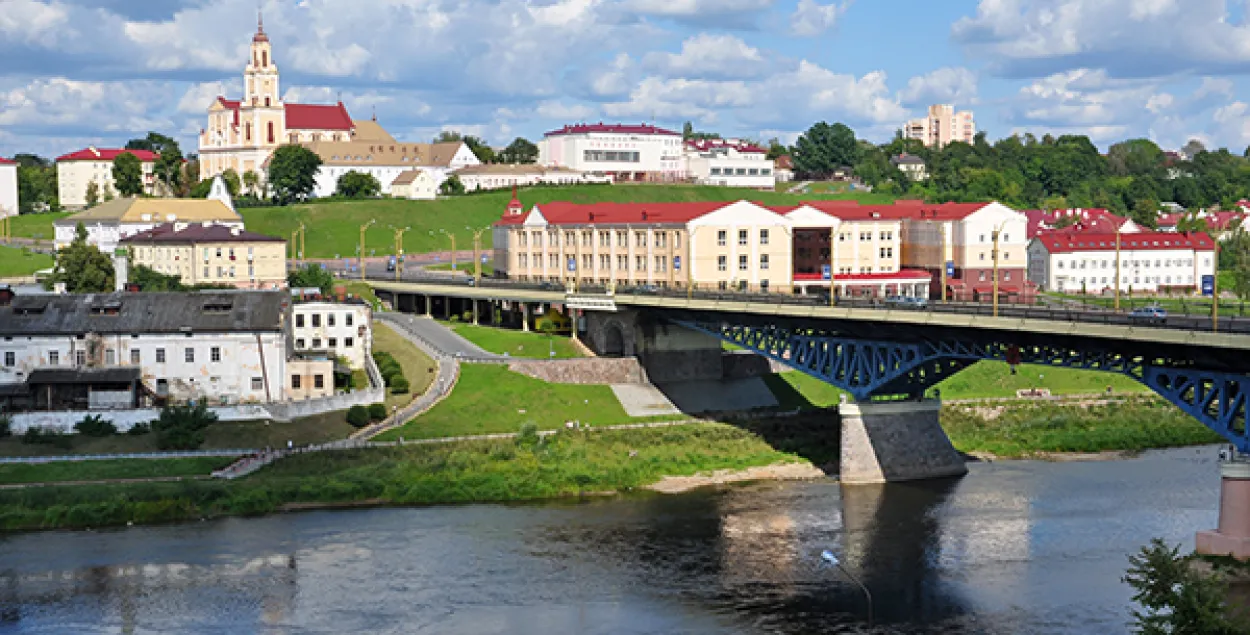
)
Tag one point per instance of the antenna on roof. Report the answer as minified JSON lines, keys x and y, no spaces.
{"x":375,"y":112}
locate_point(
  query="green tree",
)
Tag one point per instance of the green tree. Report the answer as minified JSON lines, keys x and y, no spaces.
{"x":154,"y":142}
{"x":355,"y":184}
{"x":232,"y":181}
{"x":82,"y":267}
{"x":168,"y":166}
{"x":251,"y":181}
{"x":36,"y":184}
{"x":519,"y":151}
{"x":687,"y":131}
{"x":1135,"y":157}
{"x":448,"y":136}
{"x":93,"y":193}
{"x":776,"y":149}
{"x":293,"y":173}
{"x":128,"y":174}
{"x":823,"y":149}
{"x":452,"y":186}
{"x":182,"y":427}
{"x":202,"y":189}
{"x":1175,"y":598}
{"x":311,"y":276}
{"x":149,"y":280}
{"x":481,"y":150}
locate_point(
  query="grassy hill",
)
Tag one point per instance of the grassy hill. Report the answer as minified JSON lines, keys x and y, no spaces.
{"x":16,"y":262}
{"x":333,"y":228}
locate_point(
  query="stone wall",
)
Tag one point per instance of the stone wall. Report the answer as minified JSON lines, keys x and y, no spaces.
{"x":591,"y":370}
{"x":896,"y":441}
{"x":63,"y":421}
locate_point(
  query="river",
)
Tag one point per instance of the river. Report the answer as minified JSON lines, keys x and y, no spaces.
{"x":1014,"y":547}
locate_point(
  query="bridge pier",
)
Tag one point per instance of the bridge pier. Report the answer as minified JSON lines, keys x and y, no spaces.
{"x":891,"y":441}
{"x":1232,"y":537}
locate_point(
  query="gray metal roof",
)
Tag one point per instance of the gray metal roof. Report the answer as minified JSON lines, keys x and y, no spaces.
{"x":112,"y":375}
{"x":124,"y":313}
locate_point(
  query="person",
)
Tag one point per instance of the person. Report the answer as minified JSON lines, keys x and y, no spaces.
{"x":290,"y":445}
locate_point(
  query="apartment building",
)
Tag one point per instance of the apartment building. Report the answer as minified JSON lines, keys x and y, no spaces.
{"x":109,"y":223}
{"x":942,"y":125}
{"x":854,"y":249}
{"x":1076,"y":261}
{"x":337,"y":329}
{"x":960,"y":238}
{"x":8,"y":188}
{"x":623,"y":152}
{"x":208,"y":254}
{"x":77,"y":170}
{"x":729,"y":162}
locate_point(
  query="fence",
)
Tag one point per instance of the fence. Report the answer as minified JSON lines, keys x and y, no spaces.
{"x":185,"y":454}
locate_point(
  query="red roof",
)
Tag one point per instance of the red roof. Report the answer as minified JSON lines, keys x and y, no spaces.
{"x":1215,"y":220}
{"x":317,"y":117}
{"x":232,"y":104}
{"x":4,"y":161}
{"x":784,"y":162}
{"x":106,"y":154}
{"x":563,"y":213}
{"x":612,"y":128}
{"x":1069,"y":242}
{"x":166,"y":233}
{"x":704,"y":145}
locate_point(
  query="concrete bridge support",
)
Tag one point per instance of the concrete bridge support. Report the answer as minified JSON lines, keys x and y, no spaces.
{"x":668,"y":352}
{"x":896,"y":441}
{"x":1232,"y":538}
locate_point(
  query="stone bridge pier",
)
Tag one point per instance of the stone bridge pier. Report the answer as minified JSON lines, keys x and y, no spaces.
{"x":668,"y":352}
{"x":889,"y":441}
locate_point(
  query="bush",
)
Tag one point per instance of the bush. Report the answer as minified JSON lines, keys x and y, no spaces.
{"x":39,"y":436}
{"x":377,"y":411}
{"x":400,"y":386}
{"x":139,"y":429}
{"x":182,"y":427}
{"x":6,"y":426}
{"x":95,"y":426}
{"x":358,"y":416}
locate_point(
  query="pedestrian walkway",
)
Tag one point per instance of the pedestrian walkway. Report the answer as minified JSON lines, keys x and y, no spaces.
{"x":438,"y":338}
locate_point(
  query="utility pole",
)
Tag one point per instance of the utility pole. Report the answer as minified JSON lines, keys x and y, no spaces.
{"x":1215,"y":287}
{"x":994,"y":253}
{"x":477,"y":251}
{"x":399,"y":251}
{"x":360,"y":258}
{"x":1118,"y":279}
{"x":453,"y":247}
{"x":303,"y":241}
{"x":295,"y":246}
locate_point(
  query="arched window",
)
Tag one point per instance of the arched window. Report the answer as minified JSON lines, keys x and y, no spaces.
{"x":265,"y":56}
{"x":247,"y":132}
{"x":266,"y":101}
{"x":255,"y":61}
{"x":271,"y":132}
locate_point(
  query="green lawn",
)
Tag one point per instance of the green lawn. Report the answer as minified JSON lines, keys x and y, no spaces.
{"x":530,"y":345}
{"x":16,"y":262}
{"x":38,"y":226}
{"x":488,"y":268}
{"x":231,"y":435}
{"x":419,"y":369}
{"x":365,"y":292}
{"x":110,"y":470}
{"x":489,"y":398}
{"x":333,"y":229}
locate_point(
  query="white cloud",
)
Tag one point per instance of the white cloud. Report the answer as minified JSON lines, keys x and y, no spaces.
{"x":692,"y":8}
{"x":561,"y":111}
{"x":198,"y":97}
{"x":33,"y":22}
{"x":710,"y":56}
{"x":810,"y":18}
{"x":949,"y":85}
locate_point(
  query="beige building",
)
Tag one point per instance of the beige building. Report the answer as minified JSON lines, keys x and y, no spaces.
{"x":77,"y":170}
{"x":858,"y":248}
{"x":309,"y":378}
{"x":211,"y":254}
{"x":414,"y":184}
{"x":109,"y":223}
{"x":386,"y":159}
{"x":709,"y":244}
{"x":942,"y":125}
{"x":497,"y":176}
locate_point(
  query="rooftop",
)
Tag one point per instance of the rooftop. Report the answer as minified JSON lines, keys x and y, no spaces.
{"x":640,"y":129}
{"x":389,"y":153}
{"x":130,"y":313}
{"x":4,"y":161}
{"x":1059,"y":241}
{"x":407,"y":177}
{"x":167,"y":233}
{"x":92,"y":153}
{"x":562,"y":213}
{"x":705,"y":145}
{"x":304,"y":116}
{"x":141,"y":210}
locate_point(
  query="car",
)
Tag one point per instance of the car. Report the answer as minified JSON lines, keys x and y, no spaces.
{"x":1149,"y":315}
{"x":918,"y":302}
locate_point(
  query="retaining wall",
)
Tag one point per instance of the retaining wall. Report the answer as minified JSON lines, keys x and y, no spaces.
{"x":63,"y":421}
{"x":590,"y":370}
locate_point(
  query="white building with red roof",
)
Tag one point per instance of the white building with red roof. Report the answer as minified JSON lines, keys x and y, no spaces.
{"x":8,"y":188}
{"x":242,"y":133}
{"x":621,"y":151}
{"x":76,"y":171}
{"x":728,"y":162}
{"x":1081,"y":261}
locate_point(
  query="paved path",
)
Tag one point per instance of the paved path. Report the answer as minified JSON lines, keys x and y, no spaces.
{"x":799,"y":187}
{"x":116,"y":481}
{"x":437,"y":337}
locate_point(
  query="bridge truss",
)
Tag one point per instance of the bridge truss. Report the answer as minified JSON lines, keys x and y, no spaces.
{"x":870,"y":369}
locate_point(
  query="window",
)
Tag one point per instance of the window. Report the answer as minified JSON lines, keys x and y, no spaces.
{"x":110,"y":357}
{"x":715,"y":171}
{"x":1007,"y":276}
{"x":622,"y":239}
{"x":10,"y":358}
{"x":319,"y":381}
{"x":763,"y":236}
{"x":981,"y":277}
{"x":722,"y":263}
{"x":271,"y":132}
{"x":134,"y":356}
{"x":299,"y":343}
{"x":214,"y":354}
{"x":763,"y":286}
{"x":677,"y":241}
{"x":742,"y":262}
{"x":160,"y":356}
{"x":661,"y":264}
{"x":763,"y":261}
{"x":295,"y":382}
{"x":54,"y":358}
{"x":162,"y":386}
{"x":982,"y":255}
{"x":189,"y":355}
{"x":299,"y":321}
{"x":640,"y":239}
{"x":721,"y":237}
{"x":316,"y":343}
{"x":329,"y":319}
{"x":334,"y":342}
{"x":80,"y":358}
{"x":258,"y":383}
{"x":742,"y":237}
{"x":316,"y":320}
{"x":640,"y":263}
{"x":347,"y":319}
{"x":348,"y":342}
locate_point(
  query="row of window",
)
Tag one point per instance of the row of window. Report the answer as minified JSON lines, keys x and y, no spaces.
{"x":315,"y":319}
{"x":744,"y":237}
{"x":1096,"y":264}
{"x":110,"y":356}
{"x":588,"y":262}
{"x":865,"y":236}
{"x":605,"y":238}
{"x":722,"y":262}
{"x":297,"y":382}
{"x":1137,"y":280}
{"x":333,"y":342}
{"x":612,"y":156}
{"x":741,"y":172}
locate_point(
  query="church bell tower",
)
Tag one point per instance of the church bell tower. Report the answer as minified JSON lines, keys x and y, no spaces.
{"x":260,"y":78}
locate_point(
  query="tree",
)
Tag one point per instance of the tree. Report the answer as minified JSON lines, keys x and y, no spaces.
{"x":355,"y":184}
{"x":250,"y":182}
{"x":1135,"y":157}
{"x":128,"y":174}
{"x":823,"y":149}
{"x":776,"y":149}
{"x":82,"y":267}
{"x":154,"y":142}
{"x":1193,"y":148}
{"x":93,"y":193}
{"x":150,"y":281}
{"x":311,"y":276}
{"x":95,"y":426}
{"x":1175,"y":597}
{"x":36,"y":184}
{"x":480,"y":149}
{"x":452,"y":186}
{"x":519,"y":151}
{"x":358,"y":416}
{"x":231,"y":179}
{"x":168,"y":166}
{"x":448,"y":136}
{"x":202,"y":189}
{"x":293,"y":173}
{"x":182,"y":427}
{"x":687,"y":131}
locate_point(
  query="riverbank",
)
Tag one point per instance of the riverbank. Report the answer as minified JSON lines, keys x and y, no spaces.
{"x":527,"y":468}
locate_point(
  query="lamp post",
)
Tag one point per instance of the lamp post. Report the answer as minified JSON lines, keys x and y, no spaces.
{"x":1118,"y":279}
{"x":399,"y":250}
{"x":361,"y":255}
{"x":833,"y":561}
{"x":453,"y":246}
{"x":1215,"y":287}
{"x":303,"y":242}
{"x":477,"y":250}
{"x":941,"y":228}
{"x":994,"y":252}
{"x":833,"y":263}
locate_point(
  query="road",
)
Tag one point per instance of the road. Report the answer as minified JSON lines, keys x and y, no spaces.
{"x":438,"y":337}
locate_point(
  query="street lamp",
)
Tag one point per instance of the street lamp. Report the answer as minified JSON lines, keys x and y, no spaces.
{"x":453,"y":246}
{"x":399,"y":250}
{"x":833,"y":561}
{"x":361,"y":254}
{"x":477,"y":249}
{"x":997,"y":232}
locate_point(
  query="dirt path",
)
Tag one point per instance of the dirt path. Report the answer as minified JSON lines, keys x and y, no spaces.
{"x":780,"y":472}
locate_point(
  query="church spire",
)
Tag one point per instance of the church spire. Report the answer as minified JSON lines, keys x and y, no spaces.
{"x":260,"y":28}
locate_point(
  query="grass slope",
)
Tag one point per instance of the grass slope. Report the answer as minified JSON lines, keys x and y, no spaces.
{"x":15,"y":262}
{"x":333,"y":229}
{"x":418,"y":367}
{"x":38,"y":226}
{"x":490,"y":398}
{"x":566,"y":464}
{"x":517,"y":343}
{"x":109,"y":470}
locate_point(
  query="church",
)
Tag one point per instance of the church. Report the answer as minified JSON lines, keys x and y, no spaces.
{"x":242,"y":134}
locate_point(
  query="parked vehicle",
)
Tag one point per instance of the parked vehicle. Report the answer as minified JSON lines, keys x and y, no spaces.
{"x":1149,"y":315}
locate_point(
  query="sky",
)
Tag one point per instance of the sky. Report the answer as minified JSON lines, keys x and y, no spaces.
{"x":80,"y":72}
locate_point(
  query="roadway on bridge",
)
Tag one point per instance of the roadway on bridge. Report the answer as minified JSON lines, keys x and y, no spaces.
{"x":439,"y":337}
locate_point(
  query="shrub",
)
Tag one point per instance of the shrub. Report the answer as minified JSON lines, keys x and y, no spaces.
{"x":377,"y":411}
{"x":139,"y":429}
{"x":182,"y":427}
{"x":358,"y":416}
{"x":38,"y":436}
{"x":95,"y":426}
{"x":399,"y":385}
{"x":528,"y":435}
{"x":6,"y":426}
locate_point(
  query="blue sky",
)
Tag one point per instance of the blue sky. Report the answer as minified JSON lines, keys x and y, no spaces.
{"x":79,"y":72}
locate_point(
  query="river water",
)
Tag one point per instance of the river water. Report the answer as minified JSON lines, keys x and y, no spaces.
{"x":1014,"y":547}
